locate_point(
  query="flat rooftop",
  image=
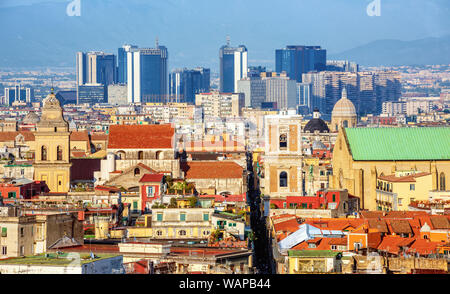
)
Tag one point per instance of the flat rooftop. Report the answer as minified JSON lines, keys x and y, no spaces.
{"x":53,"y":259}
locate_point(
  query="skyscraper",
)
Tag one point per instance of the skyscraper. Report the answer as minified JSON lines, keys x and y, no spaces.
{"x":147,"y":75}
{"x":18,"y":93}
{"x":185,"y":83}
{"x":95,"y":69}
{"x":296,"y":60}
{"x":233,"y":66}
{"x":122,"y":63}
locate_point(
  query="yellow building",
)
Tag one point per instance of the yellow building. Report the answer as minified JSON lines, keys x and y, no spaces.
{"x":361,"y":155}
{"x":52,"y":141}
{"x":396,"y":192}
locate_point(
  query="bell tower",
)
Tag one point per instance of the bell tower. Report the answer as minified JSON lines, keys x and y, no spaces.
{"x":52,"y":139}
{"x":283,"y":156}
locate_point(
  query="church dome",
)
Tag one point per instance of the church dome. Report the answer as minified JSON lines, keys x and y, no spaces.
{"x":316,"y":124}
{"x":344,"y":107}
{"x":31,"y":118}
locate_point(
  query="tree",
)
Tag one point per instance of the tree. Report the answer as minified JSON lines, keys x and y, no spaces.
{"x":192,"y":201}
{"x":173,"y":203}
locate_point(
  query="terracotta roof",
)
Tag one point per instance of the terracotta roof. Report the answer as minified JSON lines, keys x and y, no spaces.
{"x":440,"y":222}
{"x":99,"y":136}
{"x":400,"y":226}
{"x":409,"y":178}
{"x":151,"y":178}
{"x":372,"y":214}
{"x":77,"y":153}
{"x":212,"y":170}
{"x":380,"y":225}
{"x":141,"y":136}
{"x":287,"y":226}
{"x":228,"y":198}
{"x":11,"y":136}
{"x":423,"y":247}
{"x":405,"y":214}
{"x":79,"y":136}
{"x":392,"y":244}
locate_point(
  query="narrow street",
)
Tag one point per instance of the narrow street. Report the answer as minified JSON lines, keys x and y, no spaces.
{"x":262,"y":249}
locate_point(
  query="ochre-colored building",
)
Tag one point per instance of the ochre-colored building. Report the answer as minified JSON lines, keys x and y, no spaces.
{"x":52,"y":141}
{"x":361,"y":155}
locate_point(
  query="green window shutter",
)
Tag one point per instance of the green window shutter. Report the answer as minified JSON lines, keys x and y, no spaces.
{"x":205,"y":217}
{"x":4,"y":232}
{"x":135,"y":204}
{"x":159,"y":217}
{"x":182,"y":217}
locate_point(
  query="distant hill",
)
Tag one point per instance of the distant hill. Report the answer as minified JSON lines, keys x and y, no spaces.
{"x":396,"y":52}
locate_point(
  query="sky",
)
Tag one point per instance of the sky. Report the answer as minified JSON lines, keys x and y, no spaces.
{"x":194,"y":30}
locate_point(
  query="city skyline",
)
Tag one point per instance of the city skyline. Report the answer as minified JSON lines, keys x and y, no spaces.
{"x":189,"y":41}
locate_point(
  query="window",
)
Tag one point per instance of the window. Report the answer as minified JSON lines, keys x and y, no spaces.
{"x":442,"y":182}
{"x":4,"y":232}
{"x":135,"y":205}
{"x":22,"y":250}
{"x":43,"y":153}
{"x":206,"y":233}
{"x":182,"y":216}
{"x":400,"y":201}
{"x":205,"y":217}
{"x":334,"y":198}
{"x":283,"y":142}
{"x":159,"y":233}
{"x":141,"y":155}
{"x":22,"y":232}
{"x":182,"y":233}
{"x":283,"y":179}
{"x":159,"y":217}
{"x":333,"y":247}
{"x":59,"y":153}
{"x":412,"y":187}
{"x":12,"y":195}
{"x":4,"y":250}
{"x":150,"y":191}
{"x":137,"y":171}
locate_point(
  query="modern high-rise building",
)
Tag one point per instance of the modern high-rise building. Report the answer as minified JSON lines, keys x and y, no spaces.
{"x":297,"y":60}
{"x":95,"y":69}
{"x":233,"y":66}
{"x":122,"y":63}
{"x":366,"y":90}
{"x":92,"y":94}
{"x":147,"y":75}
{"x":19,"y":94}
{"x":280,"y":89}
{"x":185,"y":83}
{"x":254,"y":89}
{"x":342,"y":65}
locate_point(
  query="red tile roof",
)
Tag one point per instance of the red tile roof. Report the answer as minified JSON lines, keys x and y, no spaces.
{"x":392,"y":244}
{"x":79,"y":136}
{"x":99,"y":136}
{"x":11,"y":136}
{"x":141,"y":136}
{"x":212,"y":170}
{"x":409,"y":178}
{"x":151,"y":178}
{"x":423,"y":247}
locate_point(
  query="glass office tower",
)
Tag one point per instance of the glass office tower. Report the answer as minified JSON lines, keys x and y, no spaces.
{"x":147,"y":75}
{"x":185,"y":83}
{"x":296,"y":60}
{"x":233,"y":67}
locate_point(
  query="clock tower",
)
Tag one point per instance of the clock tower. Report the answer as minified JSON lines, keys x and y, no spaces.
{"x":52,"y":155}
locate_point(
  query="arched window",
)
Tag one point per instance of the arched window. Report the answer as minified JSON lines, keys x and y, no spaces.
{"x":283,"y":142}
{"x":59,"y":153}
{"x":283,"y":179}
{"x":137,"y":171}
{"x":159,"y":155}
{"x":345,"y":124}
{"x":141,"y":155}
{"x":182,"y":233}
{"x":43,"y":153}
{"x":442,"y":182}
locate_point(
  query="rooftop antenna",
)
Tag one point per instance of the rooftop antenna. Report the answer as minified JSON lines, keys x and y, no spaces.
{"x":228,"y":40}
{"x":157,"y":43}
